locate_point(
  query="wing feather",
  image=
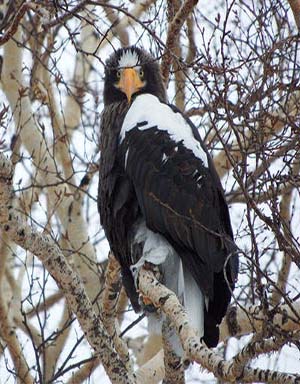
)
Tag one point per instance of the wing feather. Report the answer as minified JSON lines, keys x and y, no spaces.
{"x":177,"y":189}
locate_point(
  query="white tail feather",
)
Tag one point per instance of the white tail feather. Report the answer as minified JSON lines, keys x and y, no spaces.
{"x":193,"y":302}
{"x":176,"y":277}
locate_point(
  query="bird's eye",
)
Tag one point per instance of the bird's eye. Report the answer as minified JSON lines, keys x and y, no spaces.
{"x":119,"y":74}
{"x":141,"y":73}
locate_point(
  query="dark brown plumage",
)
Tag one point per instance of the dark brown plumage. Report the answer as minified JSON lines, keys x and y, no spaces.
{"x":156,"y":185}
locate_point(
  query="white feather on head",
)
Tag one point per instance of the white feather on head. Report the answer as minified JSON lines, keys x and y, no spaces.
{"x":129,"y":59}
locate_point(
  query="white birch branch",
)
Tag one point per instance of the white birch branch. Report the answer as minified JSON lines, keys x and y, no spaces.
{"x":242,"y":321}
{"x":195,"y":350}
{"x":153,"y":371}
{"x":108,"y":306}
{"x":44,"y":247}
{"x":61,"y":201}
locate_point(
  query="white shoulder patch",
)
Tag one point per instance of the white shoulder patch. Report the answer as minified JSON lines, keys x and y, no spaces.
{"x":148,"y":109}
{"x":129,"y":58}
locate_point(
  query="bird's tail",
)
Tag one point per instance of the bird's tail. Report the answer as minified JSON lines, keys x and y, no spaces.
{"x":194,"y":302}
{"x":178,"y":278}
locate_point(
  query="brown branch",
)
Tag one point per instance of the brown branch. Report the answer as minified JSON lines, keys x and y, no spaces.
{"x":281,"y":189}
{"x":172,"y":9}
{"x":150,"y":348}
{"x":191,"y":37}
{"x":53,"y":351}
{"x":195,"y":112}
{"x":285,"y":217}
{"x":84,"y":372}
{"x":172,"y":36}
{"x":295,"y":6}
{"x":13,"y":26}
{"x":153,"y":371}
{"x":46,"y":305}
{"x":7,"y":325}
{"x":140,"y":7}
{"x":253,"y":349}
{"x":121,"y":305}
{"x":9,"y":336}
{"x":179,"y":81}
{"x":272,"y":125}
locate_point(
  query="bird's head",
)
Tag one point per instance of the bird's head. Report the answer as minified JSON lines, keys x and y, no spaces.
{"x":131,"y":71}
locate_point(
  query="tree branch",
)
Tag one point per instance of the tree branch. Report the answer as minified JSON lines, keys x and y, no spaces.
{"x":295,"y":6}
{"x":174,"y":369}
{"x":195,"y":350}
{"x":172,"y":36}
{"x":14,"y":24}
{"x":242,"y":321}
{"x":109,"y":301}
{"x":44,"y":247}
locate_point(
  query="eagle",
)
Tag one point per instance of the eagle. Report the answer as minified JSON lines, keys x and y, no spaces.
{"x":160,"y":200}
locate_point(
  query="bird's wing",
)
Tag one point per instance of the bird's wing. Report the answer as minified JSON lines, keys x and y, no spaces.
{"x":177,"y":189}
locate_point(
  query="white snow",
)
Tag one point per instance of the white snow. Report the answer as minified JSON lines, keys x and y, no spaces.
{"x":148,"y":108}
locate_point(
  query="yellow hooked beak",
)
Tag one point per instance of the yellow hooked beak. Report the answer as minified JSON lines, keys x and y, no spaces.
{"x":129,"y":82}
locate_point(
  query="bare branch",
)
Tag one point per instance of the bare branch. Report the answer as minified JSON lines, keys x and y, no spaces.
{"x":153,"y":371}
{"x":174,"y":369}
{"x":240,"y":321}
{"x":172,"y":37}
{"x":13,"y":26}
{"x":9,"y":336}
{"x":49,"y":253}
{"x":234,"y":69}
{"x":84,"y":372}
{"x":109,"y":300}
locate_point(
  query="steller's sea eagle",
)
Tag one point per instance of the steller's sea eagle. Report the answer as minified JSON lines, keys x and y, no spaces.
{"x":160,"y":198}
